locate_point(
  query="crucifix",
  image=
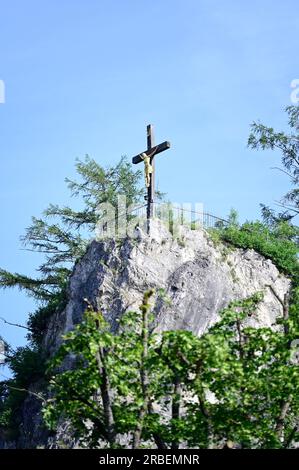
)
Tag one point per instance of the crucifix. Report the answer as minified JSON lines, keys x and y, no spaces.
{"x":148,"y":157}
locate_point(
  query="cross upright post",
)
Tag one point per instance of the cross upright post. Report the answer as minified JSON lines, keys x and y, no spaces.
{"x":148,"y":157}
{"x":151,"y":187}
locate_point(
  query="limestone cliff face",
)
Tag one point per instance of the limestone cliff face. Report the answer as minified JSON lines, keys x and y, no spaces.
{"x":199,"y":277}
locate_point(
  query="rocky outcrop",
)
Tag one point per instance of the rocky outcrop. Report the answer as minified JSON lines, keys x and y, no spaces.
{"x":198,"y":276}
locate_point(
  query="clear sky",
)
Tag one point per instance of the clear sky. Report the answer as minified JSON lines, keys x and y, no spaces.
{"x":86,"y":76}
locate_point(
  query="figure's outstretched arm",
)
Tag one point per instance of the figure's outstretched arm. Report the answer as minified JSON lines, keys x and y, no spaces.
{"x":144,"y":155}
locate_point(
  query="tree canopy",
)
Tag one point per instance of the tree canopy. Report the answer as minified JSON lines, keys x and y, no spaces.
{"x":264,"y":137}
{"x":63,"y":233}
{"x":234,"y":386}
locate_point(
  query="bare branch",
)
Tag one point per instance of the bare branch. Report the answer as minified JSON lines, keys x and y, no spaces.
{"x":15,"y":324}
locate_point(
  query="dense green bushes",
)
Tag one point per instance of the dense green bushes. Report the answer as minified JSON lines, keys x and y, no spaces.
{"x":277,"y":242}
{"x":27,"y":366}
{"x":229,"y":387}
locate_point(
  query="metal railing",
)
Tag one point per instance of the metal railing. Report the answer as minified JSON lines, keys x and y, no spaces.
{"x":211,"y":221}
{"x":195,"y":219}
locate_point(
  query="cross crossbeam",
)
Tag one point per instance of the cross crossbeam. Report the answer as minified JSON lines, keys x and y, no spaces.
{"x":157,"y":149}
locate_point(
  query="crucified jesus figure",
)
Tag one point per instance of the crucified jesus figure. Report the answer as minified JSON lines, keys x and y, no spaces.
{"x":148,"y":158}
{"x":148,"y":167}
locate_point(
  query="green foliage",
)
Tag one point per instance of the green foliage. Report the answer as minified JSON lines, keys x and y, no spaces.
{"x":98,"y":185}
{"x":38,"y":320}
{"x":61,"y":236}
{"x":232,"y":384}
{"x":59,"y":244}
{"x":61,"y":241}
{"x":40,"y":289}
{"x":5,"y":411}
{"x":27,"y":366}
{"x":233,"y":218}
{"x":250,"y":376}
{"x":263,"y":137}
{"x":277,"y":242}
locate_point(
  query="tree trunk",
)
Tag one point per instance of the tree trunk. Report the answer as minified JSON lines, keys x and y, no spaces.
{"x":143,"y":372}
{"x":176,"y":404}
{"x":106,"y":397}
{"x":285,"y":405}
{"x":158,"y":440}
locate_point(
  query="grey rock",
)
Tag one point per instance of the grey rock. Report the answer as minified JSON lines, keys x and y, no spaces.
{"x":198,"y":277}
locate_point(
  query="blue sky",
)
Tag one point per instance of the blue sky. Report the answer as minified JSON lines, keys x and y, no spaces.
{"x":87,"y":76}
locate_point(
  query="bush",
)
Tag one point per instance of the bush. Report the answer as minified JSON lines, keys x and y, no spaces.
{"x":278,"y":243}
{"x":27,"y":366}
{"x":38,"y":321}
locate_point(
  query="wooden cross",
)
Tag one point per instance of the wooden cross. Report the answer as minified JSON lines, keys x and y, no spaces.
{"x":151,"y":151}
